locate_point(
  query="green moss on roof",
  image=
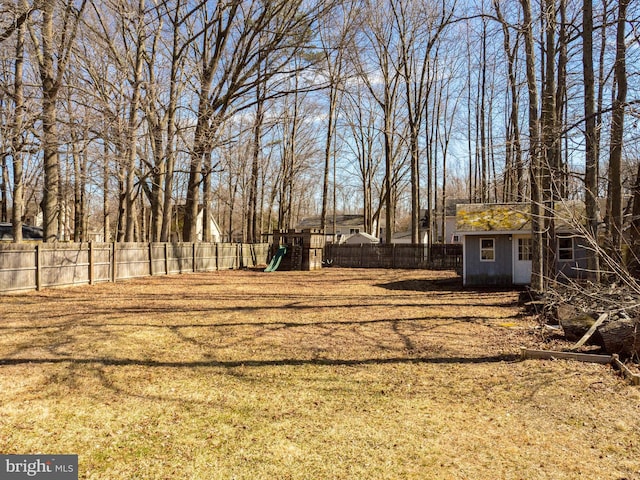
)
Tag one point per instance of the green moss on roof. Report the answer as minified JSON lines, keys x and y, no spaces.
{"x":493,"y":217}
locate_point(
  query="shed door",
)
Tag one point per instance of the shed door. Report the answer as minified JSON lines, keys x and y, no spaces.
{"x":522,"y":259}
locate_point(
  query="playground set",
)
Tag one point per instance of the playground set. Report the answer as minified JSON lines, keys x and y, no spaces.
{"x":296,"y":250}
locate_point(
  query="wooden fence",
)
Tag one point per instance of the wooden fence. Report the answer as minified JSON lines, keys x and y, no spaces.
{"x":437,"y":257}
{"x":29,"y":266}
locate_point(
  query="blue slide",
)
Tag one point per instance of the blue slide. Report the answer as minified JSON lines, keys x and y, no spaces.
{"x":275,"y":261}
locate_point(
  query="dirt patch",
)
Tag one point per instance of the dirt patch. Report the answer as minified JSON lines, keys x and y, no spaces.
{"x":339,"y":373}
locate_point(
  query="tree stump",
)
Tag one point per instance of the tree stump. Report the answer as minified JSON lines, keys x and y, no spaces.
{"x":621,"y":337}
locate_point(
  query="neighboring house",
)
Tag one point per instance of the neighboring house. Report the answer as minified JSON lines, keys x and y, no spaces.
{"x":345,"y":226}
{"x":405,"y":237}
{"x":497,"y":242}
{"x":216,"y":233}
{"x":176,"y":236}
{"x":450,"y":222}
{"x":449,"y":235}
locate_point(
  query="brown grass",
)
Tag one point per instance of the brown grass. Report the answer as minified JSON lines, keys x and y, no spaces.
{"x":337,"y":374}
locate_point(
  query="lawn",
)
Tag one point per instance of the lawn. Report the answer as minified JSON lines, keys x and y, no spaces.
{"x":336,"y":374}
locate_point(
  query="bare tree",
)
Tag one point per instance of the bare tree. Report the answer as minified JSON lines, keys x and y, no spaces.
{"x":514,"y":163}
{"x":335,"y":37}
{"x":229,"y":58}
{"x":362,"y":139}
{"x":416,"y":46}
{"x":381,"y":74}
{"x":53,"y":53}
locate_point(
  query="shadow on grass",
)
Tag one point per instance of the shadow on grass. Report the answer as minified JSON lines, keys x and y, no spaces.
{"x":419,"y":285}
{"x":449,"y":285}
{"x":286,"y":362}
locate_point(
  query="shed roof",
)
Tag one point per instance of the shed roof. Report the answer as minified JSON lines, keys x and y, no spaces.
{"x":493,"y":217}
{"x":361,"y":238}
{"x":514,"y":217}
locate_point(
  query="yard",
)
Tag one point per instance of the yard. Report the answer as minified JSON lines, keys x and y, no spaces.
{"x":335,"y":374}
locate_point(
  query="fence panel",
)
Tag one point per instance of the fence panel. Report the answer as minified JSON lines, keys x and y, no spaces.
{"x":131,"y":260}
{"x":101,"y":260}
{"x":64,"y":264}
{"x":179,"y":258}
{"x":206,"y":257}
{"x":158,"y":253}
{"x":227,"y":256}
{"x":260,"y":254}
{"x":17,"y":267}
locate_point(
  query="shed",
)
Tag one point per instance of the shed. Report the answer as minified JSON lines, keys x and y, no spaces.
{"x":361,"y":238}
{"x":497,"y":242}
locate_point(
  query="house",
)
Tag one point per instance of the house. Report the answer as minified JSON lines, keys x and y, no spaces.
{"x":450,"y":233}
{"x":345,"y":226}
{"x":497,"y":242}
{"x":444,"y":231}
{"x":405,"y":237}
{"x":178,"y":213}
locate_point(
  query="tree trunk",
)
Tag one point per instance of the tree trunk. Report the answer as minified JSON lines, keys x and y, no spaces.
{"x":106,"y":215}
{"x":549,"y":167}
{"x":617,"y":134}
{"x":591,"y":162}
{"x":252,"y":210}
{"x":130,"y":207}
{"x":49,"y":132}
{"x":16,"y":139}
{"x":79,"y":179}
{"x":333,"y":102}
{"x":634,"y":267}
{"x":537,"y":268}
{"x":170,"y":155}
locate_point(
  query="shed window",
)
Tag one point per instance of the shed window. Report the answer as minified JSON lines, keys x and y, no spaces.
{"x":565,"y":248}
{"x":487,"y":250}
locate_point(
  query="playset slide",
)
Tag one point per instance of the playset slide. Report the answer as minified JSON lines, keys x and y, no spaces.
{"x":275,"y":261}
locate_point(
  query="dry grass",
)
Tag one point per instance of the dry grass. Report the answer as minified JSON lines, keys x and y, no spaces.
{"x":338,"y":374}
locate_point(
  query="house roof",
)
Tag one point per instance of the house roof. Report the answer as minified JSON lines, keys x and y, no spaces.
{"x":341,"y":220}
{"x":514,"y":217}
{"x":451,"y":204}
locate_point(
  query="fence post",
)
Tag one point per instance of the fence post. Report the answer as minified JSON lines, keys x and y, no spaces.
{"x":393,"y":255}
{"x":38,"y":267}
{"x":91,"y":261}
{"x":166,"y":258}
{"x":114,"y":262}
{"x":150,"y":259}
{"x":194,"y":257}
